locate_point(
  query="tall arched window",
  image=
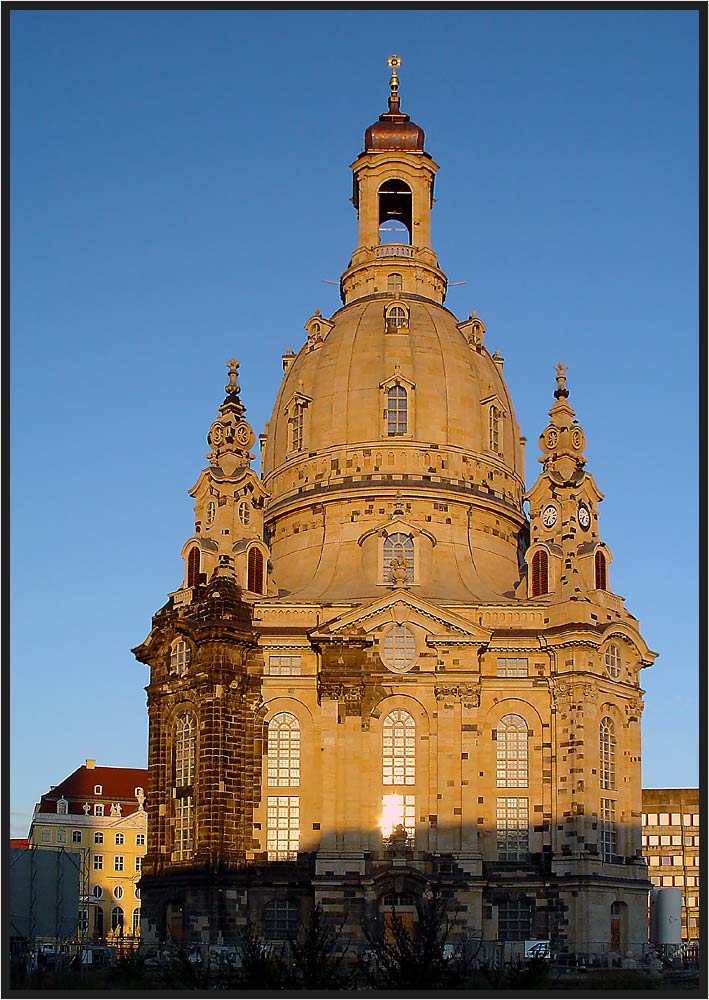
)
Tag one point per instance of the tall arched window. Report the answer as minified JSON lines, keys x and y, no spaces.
{"x":607,"y":749}
{"x":185,"y":755}
{"x":185,"y":750}
{"x":397,"y":411}
{"x":494,"y":428}
{"x":255,"y":581}
{"x":117,"y":919}
{"x":398,"y":772}
{"x":98,"y":922}
{"x":193,"y":567}
{"x":600,"y":562}
{"x":398,"y":558}
{"x":136,"y":922}
{"x":284,"y":750}
{"x":540,"y":573}
{"x":512,"y":752}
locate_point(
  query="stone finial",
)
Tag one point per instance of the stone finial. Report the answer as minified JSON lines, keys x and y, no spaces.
{"x":232,"y":388}
{"x":87,"y":807}
{"x":561,"y":390}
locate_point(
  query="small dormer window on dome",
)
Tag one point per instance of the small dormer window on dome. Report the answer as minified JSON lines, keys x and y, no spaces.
{"x":396,"y":315}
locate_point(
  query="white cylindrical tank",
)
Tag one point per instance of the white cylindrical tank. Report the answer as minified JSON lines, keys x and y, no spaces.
{"x":666,"y":916}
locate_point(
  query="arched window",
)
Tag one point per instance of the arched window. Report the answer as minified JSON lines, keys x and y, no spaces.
{"x":179,"y":657}
{"x":607,"y":756}
{"x":284,"y":750}
{"x":395,"y":212}
{"x":62,"y":807}
{"x":396,"y":316}
{"x":136,"y":922}
{"x":281,"y":919}
{"x":185,"y":754}
{"x":98,"y":921}
{"x":185,"y":748}
{"x":117,"y":919}
{"x":600,"y":562}
{"x":398,"y":563}
{"x":540,"y":573}
{"x":512,"y":752}
{"x":255,"y":581}
{"x":399,"y":749}
{"x":193,"y":567}
{"x":211,"y":513}
{"x":394,"y":283}
{"x":494,"y":428}
{"x":398,"y":771}
{"x":397,"y":415}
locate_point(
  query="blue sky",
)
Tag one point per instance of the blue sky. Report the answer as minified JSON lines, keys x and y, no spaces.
{"x":180,"y":185}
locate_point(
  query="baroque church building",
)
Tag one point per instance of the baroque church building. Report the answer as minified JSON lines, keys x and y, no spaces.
{"x":379,"y":673}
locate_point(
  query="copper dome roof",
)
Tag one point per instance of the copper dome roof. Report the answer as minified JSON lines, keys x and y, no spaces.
{"x":394,"y":130}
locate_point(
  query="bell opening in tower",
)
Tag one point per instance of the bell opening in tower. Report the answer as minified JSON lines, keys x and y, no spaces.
{"x":395,"y":212}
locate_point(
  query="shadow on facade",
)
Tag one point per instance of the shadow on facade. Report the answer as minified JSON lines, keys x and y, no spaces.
{"x":498,"y":897}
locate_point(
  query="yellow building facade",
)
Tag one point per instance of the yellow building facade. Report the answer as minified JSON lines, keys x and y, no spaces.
{"x":100,"y":813}
{"x":380,"y":671}
{"x":671,"y":846}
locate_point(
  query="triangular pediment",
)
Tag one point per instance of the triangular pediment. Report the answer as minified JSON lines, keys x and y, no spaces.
{"x":400,"y":607}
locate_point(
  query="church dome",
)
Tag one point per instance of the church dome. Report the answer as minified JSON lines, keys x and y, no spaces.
{"x":393,"y":434}
{"x":375,"y":424}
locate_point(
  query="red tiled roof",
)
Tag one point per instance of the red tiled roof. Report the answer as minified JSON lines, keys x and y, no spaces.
{"x":118,"y":785}
{"x":21,"y":843}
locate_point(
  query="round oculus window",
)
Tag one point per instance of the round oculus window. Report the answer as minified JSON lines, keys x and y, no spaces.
{"x":97,"y":892}
{"x":398,"y":648}
{"x":118,"y":891}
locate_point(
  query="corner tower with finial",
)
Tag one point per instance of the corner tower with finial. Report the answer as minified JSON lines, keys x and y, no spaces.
{"x":393,"y":194}
{"x":566,"y":556}
{"x":229,"y":498}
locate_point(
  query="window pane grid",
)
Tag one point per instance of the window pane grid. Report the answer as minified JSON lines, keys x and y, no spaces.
{"x":399,"y":810}
{"x":396,"y":410}
{"x":399,"y":749}
{"x":283,"y":829}
{"x":609,"y":835}
{"x":398,"y":648}
{"x":297,"y":428}
{"x":512,"y":828}
{"x":284,"y":750}
{"x":284,"y":666}
{"x":185,"y":751}
{"x":512,"y":752}
{"x":512,"y":666}
{"x":514,"y":920}
{"x":180,"y":657}
{"x":184,"y":844}
{"x":607,"y":751}
{"x":399,"y":547}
